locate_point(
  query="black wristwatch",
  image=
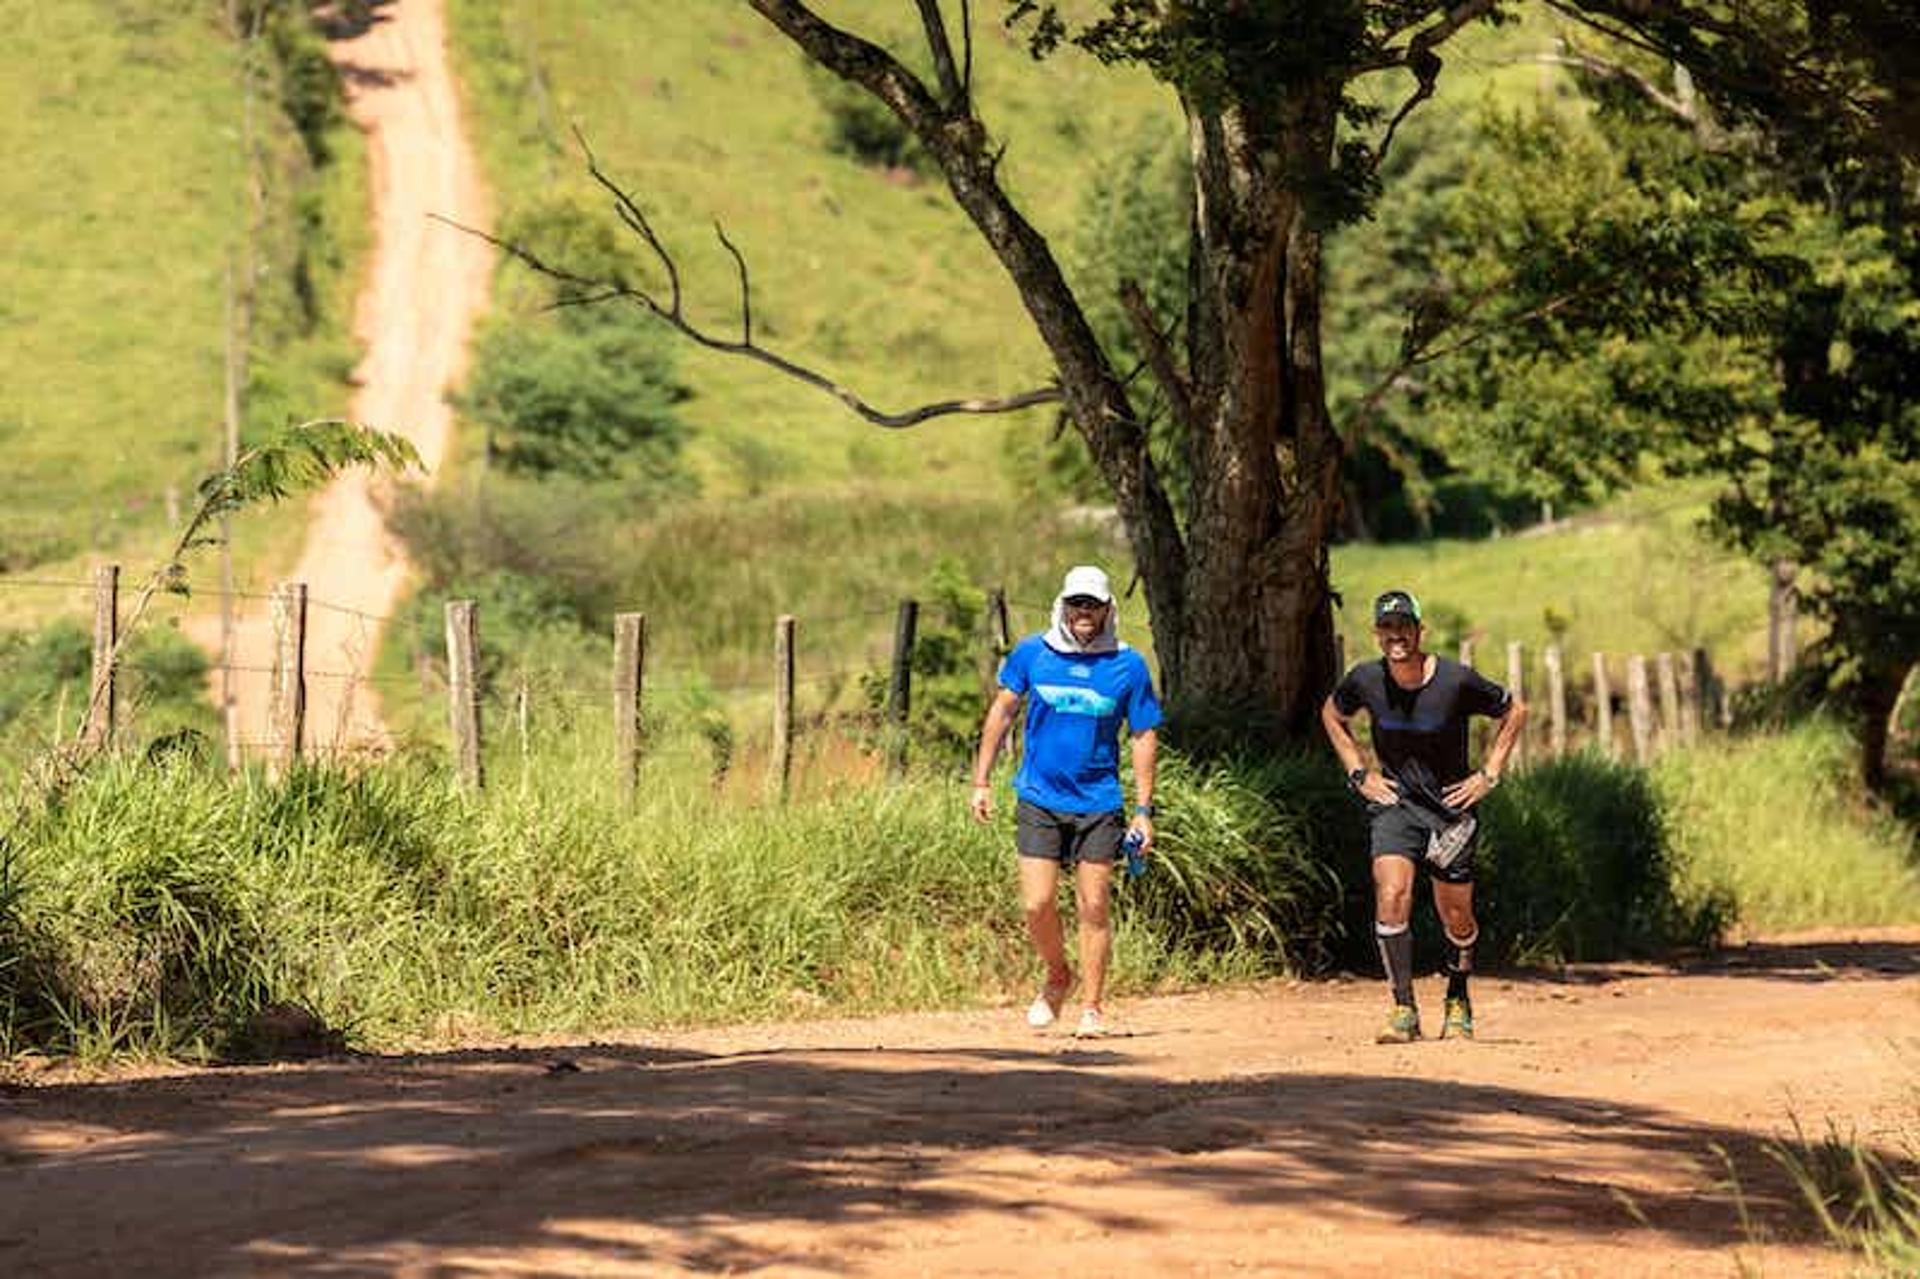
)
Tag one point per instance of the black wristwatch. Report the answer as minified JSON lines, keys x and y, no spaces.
{"x":1356,"y":777}
{"x":1143,"y":810}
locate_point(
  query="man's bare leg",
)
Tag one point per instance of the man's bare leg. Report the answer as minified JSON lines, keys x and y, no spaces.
{"x":1040,"y":899}
{"x":1093,"y":884}
{"x":1454,"y":902}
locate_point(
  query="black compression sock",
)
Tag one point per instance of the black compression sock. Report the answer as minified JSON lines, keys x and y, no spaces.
{"x":1459,"y":963}
{"x":1396,"y":956}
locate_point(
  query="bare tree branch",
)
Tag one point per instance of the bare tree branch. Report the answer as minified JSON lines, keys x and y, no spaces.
{"x":1421,"y":59}
{"x":1089,"y":384}
{"x":1685,"y":110}
{"x":1158,"y":355}
{"x":951,"y":86}
{"x":746,"y":284}
{"x":966,"y":48}
{"x":671,"y":312}
{"x":1425,"y":351}
{"x":1432,"y":37}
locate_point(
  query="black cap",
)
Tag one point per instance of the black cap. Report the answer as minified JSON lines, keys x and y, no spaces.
{"x":1396,"y":604}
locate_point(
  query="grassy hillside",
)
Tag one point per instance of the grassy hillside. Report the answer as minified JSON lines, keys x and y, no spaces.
{"x":123,"y":203}
{"x":707,"y":113}
{"x":1636,"y":576}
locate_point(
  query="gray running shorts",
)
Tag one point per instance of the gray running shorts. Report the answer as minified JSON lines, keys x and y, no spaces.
{"x":1067,"y":838}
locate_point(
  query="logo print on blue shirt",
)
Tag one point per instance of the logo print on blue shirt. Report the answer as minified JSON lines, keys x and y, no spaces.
{"x":1075,"y":701}
{"x":1082,"y":672}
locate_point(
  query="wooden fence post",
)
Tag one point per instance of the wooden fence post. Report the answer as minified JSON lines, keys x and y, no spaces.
{"x":1603,"y":708}
{"x":1687,"y":682}
{"x":900,"y":688}
{"x":523,"y":724}
{"x":1516,"y":684}
{"x":1640,"y":709}
{"x":780,"y":777}
{"x":997,"y":625}
{"x":101,"y":692}
{"x":1002,"y":632}
{"x":1783,"y":611}
{"x":287,"y":694}
{"x":463,"y":691}
{"x":1556,"y":702}
{"x":1714,"y":709}
{"x":1670,"y":735}
{"x":629,"y":679}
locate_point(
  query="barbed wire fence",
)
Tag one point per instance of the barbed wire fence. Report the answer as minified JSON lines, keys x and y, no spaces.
{"x":499,"y":705}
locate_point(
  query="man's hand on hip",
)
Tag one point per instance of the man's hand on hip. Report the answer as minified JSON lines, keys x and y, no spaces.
{"x":1379,"y":788}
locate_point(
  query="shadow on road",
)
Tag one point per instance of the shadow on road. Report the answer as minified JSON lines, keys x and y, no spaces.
{"x":714,"y":1161}
{"x":1802,"y":961}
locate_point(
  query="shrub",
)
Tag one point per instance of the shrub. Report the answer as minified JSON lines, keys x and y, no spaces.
{"x":1576,"y":865}
{"x":592,"y":396}
{"x":863,"y":128}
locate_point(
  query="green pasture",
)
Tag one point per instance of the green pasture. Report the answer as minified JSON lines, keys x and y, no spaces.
{"x":126,"y":203}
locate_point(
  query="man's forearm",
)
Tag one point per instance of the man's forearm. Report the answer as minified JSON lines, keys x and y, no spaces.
{"x":1146,"y":762}
{"x":992,"y":733}
{"x":1340,"y":737}
{"x":1503,"y":741}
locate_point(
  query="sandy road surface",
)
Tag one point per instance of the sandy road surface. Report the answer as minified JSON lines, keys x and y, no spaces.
{"x":426,"y":284}
{"x":1251,"y":1131}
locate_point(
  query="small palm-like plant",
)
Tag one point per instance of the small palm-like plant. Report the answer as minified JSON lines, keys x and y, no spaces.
{"x":297,"y":459}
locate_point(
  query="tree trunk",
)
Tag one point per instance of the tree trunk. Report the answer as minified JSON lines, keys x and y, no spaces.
{"x":1877,"y":696}
{"x":1783,"y":611}
{"x":1256,"y":643}
{"x":1240,"y":604}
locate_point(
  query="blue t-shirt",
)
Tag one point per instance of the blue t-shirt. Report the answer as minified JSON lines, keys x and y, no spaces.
{"x":1075,"y":702}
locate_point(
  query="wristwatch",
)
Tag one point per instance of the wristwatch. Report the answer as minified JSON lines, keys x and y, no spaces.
{"x":1356,"y":777}
{"x":1143,"y":810}
{"x":1491,"y":779}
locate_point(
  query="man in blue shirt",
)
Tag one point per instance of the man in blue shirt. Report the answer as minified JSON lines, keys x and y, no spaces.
{"x":1080,"y":682}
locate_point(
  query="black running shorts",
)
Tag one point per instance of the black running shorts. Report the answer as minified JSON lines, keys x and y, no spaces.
{"x":1403,"y":829}
{"x":1067,"y":838}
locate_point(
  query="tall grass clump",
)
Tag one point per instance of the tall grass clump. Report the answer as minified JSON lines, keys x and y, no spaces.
{"x":1864,"y":1201}
{"x":1575,"y":864}
{"x":162,"y":905}
{"x":1243,"y":880}
{"x":1776,"y":823}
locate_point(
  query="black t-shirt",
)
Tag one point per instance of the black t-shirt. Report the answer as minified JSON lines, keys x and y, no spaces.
{"x":1420,"y":734}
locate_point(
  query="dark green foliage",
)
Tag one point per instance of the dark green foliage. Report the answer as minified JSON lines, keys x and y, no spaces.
{"x":1625,"y":299}
{"x":863,"y":128}
{"x":952,"y":673}
{"x":589,"y":397}
{"x":301,"y":75}
{"x":163,"y":679}
{"x":1249,"y":853}
{"x":35,"y":664}
{"x":589,"y":390}
{"x":1575,"y":865}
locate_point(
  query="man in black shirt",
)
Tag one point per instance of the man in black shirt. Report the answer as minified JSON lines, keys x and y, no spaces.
{"x":1420,"y":797}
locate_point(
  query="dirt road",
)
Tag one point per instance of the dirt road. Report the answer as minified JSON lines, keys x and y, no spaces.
{"x":1251,"y":1131}
{"x":426,"y":285}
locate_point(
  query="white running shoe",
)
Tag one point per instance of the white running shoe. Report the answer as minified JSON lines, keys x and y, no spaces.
{"x":1045,"y":1009}
{"x":1092,"y":1025}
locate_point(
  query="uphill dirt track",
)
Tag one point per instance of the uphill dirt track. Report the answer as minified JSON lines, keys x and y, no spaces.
{"x":426,"y":284}
{"x":1589,"y":1132}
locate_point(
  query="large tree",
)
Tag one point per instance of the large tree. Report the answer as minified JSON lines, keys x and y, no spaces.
{"x":1286,"y":141}
{"x":1284,"y":148}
